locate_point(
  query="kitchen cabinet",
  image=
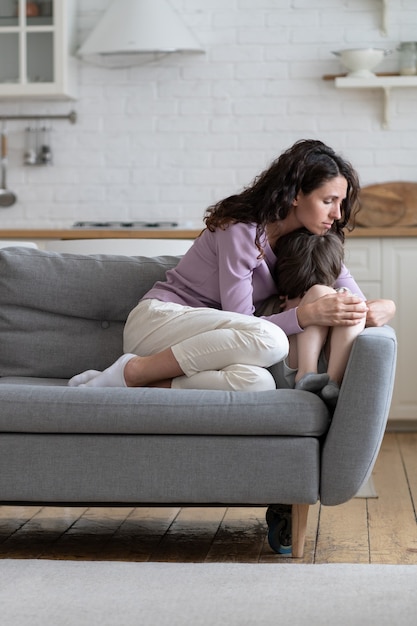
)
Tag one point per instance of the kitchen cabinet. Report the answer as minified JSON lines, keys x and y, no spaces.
{"x":363,"y":258}
{"x":37,"y":40}
{"x":387,"y":268}
{"x":399,"y":270}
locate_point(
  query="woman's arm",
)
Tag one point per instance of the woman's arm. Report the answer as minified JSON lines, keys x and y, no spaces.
{"x":237,"y":257}
{"x":346,"y":280}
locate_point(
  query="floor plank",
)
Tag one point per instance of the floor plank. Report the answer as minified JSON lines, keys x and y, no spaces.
{"x":190,"y":536}
{"x":13,"y":518}
{"x":89,"y":534}
{"x":241,"y":536}
{"x":391,"y":521}
{"x":39,"y":532}
{"x":408,"y":449}
{"x":140,"y":534}
{"x":343,"y":533}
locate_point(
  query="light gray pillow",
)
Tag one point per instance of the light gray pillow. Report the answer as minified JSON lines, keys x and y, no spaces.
{"x":61,"y":314}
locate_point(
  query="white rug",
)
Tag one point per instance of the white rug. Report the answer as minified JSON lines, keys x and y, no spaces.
{"x":80,"y":593}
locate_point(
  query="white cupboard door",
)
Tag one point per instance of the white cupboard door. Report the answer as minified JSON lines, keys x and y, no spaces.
{"x":363,"y":259}
{"x":399,"y":284}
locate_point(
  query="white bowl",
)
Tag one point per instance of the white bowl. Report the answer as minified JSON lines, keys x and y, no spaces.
{"x":360,"y":61}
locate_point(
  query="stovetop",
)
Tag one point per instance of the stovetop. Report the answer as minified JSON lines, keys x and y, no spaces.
{"x":127,"y":225}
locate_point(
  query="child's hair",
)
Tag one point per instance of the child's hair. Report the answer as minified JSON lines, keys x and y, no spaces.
{"x":305,"y":259}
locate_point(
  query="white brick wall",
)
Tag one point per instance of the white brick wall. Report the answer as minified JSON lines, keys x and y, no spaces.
{"x":165,"y":140}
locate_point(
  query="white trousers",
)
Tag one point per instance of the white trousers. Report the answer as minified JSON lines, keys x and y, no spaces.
{"x":215,"y":349}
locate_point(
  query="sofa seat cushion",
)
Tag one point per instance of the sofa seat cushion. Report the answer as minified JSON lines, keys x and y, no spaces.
{"x":41,"y":408}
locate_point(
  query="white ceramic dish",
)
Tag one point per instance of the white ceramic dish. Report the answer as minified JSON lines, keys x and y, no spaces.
{"x":361,"y":61}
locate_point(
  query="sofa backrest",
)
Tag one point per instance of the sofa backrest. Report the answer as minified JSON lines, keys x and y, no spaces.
{"x":61,"y":314}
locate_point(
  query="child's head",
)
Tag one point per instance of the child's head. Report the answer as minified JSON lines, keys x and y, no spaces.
{"x":305,"y":259}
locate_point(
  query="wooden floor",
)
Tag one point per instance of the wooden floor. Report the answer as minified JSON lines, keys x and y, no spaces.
{"x":364,"y":530}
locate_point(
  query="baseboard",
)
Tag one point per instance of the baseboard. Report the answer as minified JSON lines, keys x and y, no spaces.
{"x":402,"y":426}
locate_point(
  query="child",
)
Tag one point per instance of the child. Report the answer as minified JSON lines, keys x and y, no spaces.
{"x":307,"y":268}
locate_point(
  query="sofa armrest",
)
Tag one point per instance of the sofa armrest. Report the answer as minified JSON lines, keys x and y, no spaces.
{"x":355,"y":435}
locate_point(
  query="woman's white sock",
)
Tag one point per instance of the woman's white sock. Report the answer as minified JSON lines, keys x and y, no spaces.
{"x":79,"y":379}
{"x":113,"y":376}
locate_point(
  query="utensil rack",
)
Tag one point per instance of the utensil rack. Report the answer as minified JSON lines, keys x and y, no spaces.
{"x":71,"y":117}
{"x":35,"y":154}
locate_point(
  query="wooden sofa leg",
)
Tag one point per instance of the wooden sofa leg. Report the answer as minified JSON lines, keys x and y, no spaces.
{"x":299,"y":528}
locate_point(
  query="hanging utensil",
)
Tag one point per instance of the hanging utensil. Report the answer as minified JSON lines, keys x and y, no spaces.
{"x":7,"y":197}
{"x":45,"y":152}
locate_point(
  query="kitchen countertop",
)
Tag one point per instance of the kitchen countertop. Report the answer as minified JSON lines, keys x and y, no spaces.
{"x":177,"y":233}
{"x":98,"y":233}
{"x":391,"y":231}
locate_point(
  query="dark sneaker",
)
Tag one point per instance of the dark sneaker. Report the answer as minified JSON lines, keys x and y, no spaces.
{"x":278,"y":517}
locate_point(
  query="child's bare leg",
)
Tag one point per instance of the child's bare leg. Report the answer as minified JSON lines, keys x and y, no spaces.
{"x":340,"y":345}
{"x":341,"y":341}
{"x":309,"y":346}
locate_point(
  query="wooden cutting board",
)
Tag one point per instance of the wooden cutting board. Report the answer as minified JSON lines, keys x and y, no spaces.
{"x":388,"y":204}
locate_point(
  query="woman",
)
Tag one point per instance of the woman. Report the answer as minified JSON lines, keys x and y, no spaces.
{"x":197,"y":329}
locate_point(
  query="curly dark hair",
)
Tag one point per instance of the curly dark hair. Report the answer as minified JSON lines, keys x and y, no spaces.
{"x":305,"y":259}
{"x":304,"y":167}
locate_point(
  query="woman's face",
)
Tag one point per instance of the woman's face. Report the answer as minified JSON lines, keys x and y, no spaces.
{"x":318,"y":210}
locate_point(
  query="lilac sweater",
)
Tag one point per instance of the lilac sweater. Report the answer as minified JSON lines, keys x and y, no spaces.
{"x":222,"y":270}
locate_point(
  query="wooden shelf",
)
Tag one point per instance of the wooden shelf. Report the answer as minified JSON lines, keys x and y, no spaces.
{"x":379,"y":81}
{"x":345,"y":75}
{"x":384,"y":81}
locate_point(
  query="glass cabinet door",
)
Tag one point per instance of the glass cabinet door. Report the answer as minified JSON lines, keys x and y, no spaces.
{"x":9,"y":13}
{"x":40,"y":57}
{"x":26,"y":41}
{"x":9,"y":42}
{"x":9,"y":58}
{"x":39,"y":12}
{"x":37,"y":49}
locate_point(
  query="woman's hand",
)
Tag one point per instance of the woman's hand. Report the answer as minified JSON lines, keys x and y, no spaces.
{"x":380,"y":312}
{"x":335,"y":309}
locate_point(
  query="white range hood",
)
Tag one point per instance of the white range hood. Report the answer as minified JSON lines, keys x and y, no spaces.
{"x":132,"y":29}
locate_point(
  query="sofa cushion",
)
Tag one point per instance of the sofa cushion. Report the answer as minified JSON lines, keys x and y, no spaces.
{"x":37,"y":406}
{"x":61,"y":314}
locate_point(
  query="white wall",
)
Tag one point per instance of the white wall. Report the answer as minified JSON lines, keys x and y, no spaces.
{"x":165,"y":140}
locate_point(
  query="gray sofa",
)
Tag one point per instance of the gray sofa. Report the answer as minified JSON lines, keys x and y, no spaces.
{"x":61,"y":314}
